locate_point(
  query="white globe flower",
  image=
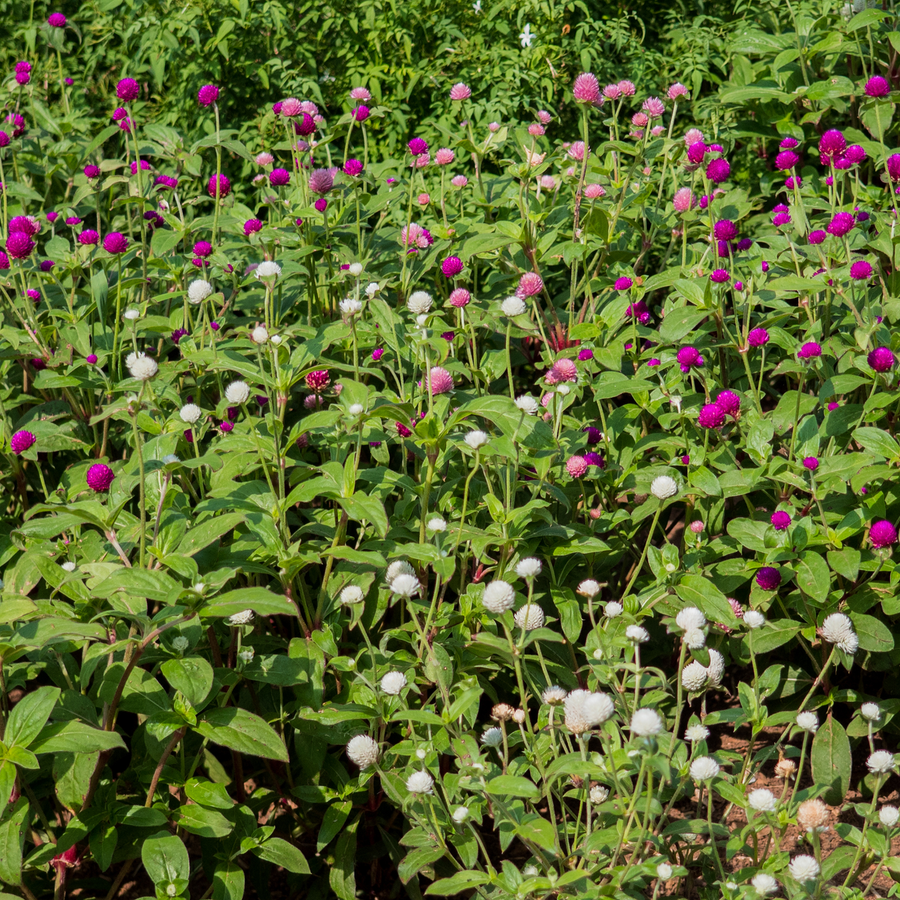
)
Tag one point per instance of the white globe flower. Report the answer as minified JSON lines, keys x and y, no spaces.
{"x":529,"y":617}
{"x":420,"y":783}
{"x":690,"y":618}
{"x":170,"y":458}
{"x":529,"y":567}
{"x":372,"y":288}
{"x":613,"y":609}
{"x":393,"y":682}
{"x":356,"y":409}
{"x":696,"y":733}
{"x":405,"y":585}
{"x":460,"y":814}
{"x":762,"y":800}
{"x":143,"y":367}
{"x":704,"y":768}
{"x":499,"y":596}
{"x":355,"y":269}
{"x":694,"y":639}
{"x":476,"y":439}
{"x":419,"y":302}
{"x":493,"y":737}
{"x":664,"y":871}
{"x":276,"y":339}
{"x":259,"y":335}
{"x":131,"y":315}
{"x":398,"y":567}
{"x":237,"y":393}
{"x":363,"y":751}
{"x":646,"y":723}
{"x":889,"y":816}
{"x":68,"y":566}
{"x":598,"y":707}
{"x":754,"y":619}
{"x":716,"y":667}
{"x":245,"y":617}
{"x":871,"y":712}
{"x":637,"y":633}
{"x":528,"y":405}
{"x":589,"y":588}
{"x":436,"y":524}
{"x":599,"y":794}
{"x":663,"y":487}
{"x":804,"y":868}
{"x":838,"y":629}
{"x":880,"y":762}
{"x":190,"y":413}
{"x":245,"y":656}
{"x":352,"y":594}
{"x":575,"y":718}
{"x":199,"y":290}
{"x":563,"y":389}
{"x":693,"y":677}
{"x":764,"y":883}
{"x":554,"y":695}
{"x":513,"y":306}
{"x":268,"y":270}
{"x":808,"y":721}
{"x":350,"y":307}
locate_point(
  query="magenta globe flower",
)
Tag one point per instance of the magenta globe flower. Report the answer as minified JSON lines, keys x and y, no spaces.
{"x":56,"y":20}
{"x":586,"y":88}
{"x":251,"y":226}
{"x":882,"y":359}
{"x":810,"y":350}
{"x":831,"y":146}
{"x":719,"y":276}
{"x":623,"y":283}
{"x":88,"y":238}
{"x":353,"y":168}
{"x":780,"y":521}
{"x":361,"y":113}
{"x":451,"y":266}
{"x":779,"y":220}
{"x":100,"y":477}
{"x":321,"y":205}
{"x":877,"y":86}
{"x":725,"y":230}
{"x":729,"y":402}
{"x":810,"y":463}
{"x":882,"y":534}
{"x":128,"y":89}
{"x":816,"y":237}
{"x":208,"y":94}
{"x":21,"y":441}
{"x":417,"y":146}
{"x":279,"y":177}
{"x":718,"y":170}
{"x":688,"y":358}
{"x":115,"y":242}
{"x":711,"y":416}
{"x":855,"y":154}
{"x":640,"y":311}
{"x":585,"y":354}
{"x":220,"y":190}
{"x":19,"y":245}
{"x":768,"y":578}
{"x":696,"y":152}
{"x":758,"y":337}
{"x":841,"y":224}
{"x":530,"y":284}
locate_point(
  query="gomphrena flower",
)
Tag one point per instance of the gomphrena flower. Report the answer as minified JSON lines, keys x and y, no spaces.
{"x":56,"y":20}
{"x":882,"y":359}
{"x":362,"y":751}
{"x":688,"y":358}
{"x":441,"y":381}
{"x":220,"y":189}
{"x":498,"y":597}
{"x":19,"y":245}
{"x":513,"y":306}
{"x":813,"y":815}
{"x":128,"y":89}
{"x":208,"y":94}
{"x":810,"y":350}
{"x":100,"y":477}
{"x":881,"y":762}
{"x":460,"y":298}
{"x":718,"y":170}
{"x":451,"y":266}
{"x":877,"y":86}
{"x":576,"y":466}
{"x":861,"y":270}
{"x":646,"y":723}
{"x":810,"y":463}
{"x":115,"y":242}
{"x":392,"y":683}
{"x":804,"y":868}
{"x":831,"y":146}
{"x":882,"y":533}
{"x":88,"y":237}
{"x":663,"y":486}
{"x":624,"y":283}
{"x":353,"y":168}
{"x":530,"y":284}
{"x":786,"y":160}
{"x":417,"y":146}
{"x":683,"y":200}
{"x":586,"y":88}
{"x":838,"y":629}
{"x":459,"y":91}
{"x":529,"y":617}
{"x":719,"y":276}
{"x":279,"y":177}
{"x":780,"y":520}
{"x":768,"y":579}
{"x":841,"y":223}
{"x":711,"y":416}
{"x":855,"y":154}
{"x":21,"y":441}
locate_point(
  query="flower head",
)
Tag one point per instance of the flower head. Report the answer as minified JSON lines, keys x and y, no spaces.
{"x":882,"y":359}
{"x":711,"y":416}
{"x":21,"y":441}
{"x":663,"y":487}
{"x":100,"y":477}
{"x":881,"y":762}
{"x":882,"y":534}
{"x":838,"y":629}
{"x":441,"y":381}
{"x":498,"y":597}
{"x":393,"y":682}
{"x":530,"y":284}
{"x":208,"y":94}
{"x":804,"y":868}
{"x":586,"y":89}
{"x":768,"y":579}
{"x":362,"y":751}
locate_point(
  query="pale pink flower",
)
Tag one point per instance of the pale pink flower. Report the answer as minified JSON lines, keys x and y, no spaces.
{"x":441,"y":381}
{"x":360,"y":93}
{"x":535,"y":129}
{"x":529,"y":285}
{"x":593,"y":191}
{"x":693,"y":136}
{"x":544,"y":117}
{"x":611,"y":92}
{"x":459,"y":181}
{"x":683,"y":200}
{"x":657,"y":130}
{"x":533,"y":159}
{"x":548,"y":182}
{"x":423,"y":199}
{"x":460,"y":298}
{"x":586,"y":88}
{"x":264,"y":159}
{"x":494,"y":126}
{"x":654,"y":107}
{"x":460,"y":91}
{"x":415,"y":236}
{"x":626,"y":88}
{"x":291,"y":107}
{"x":639,"y":119}
{"x":444,"y":156}
{"x":576,"y":150}
{"x":311,"y":109}
{"x":422,"y":160}
{"x":677,"y":90}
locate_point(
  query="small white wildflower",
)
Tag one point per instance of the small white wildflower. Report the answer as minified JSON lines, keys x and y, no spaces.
{"x":171,"y":890}
{"x":528,"y":405}
{"x":764,"y":883}
{"x":372,"y":288}
{"x":69,"y":566}
{"x":268,"y":269}
{"x":804,"y":867}
{"x":460,"y":814}
{"x":646,"y":723}
{"x":589,"y":588}
{"x":637,"y":633}
{"x":405,"y":585}
{"x":529,"y":617}
{"x":694,"y":639}
{"x":563,"y":389}
{"x":762,"y":800}
{"x":716,"y":667}
{"x":664,"y":871}
{"x":190,"y":413}
{"x":419,"y":302}
{"x":599,"y":794}
{"x":528,"y":567}
{"x":246,"y":656}
{"x":704,"y":768}
{"x":808,"y":721}
{"x":476,"y":439}
{"x":241,"y":618}
{"x":598,"y":707}
{"x":513,"y":306}
{"x":276,"y":339}
{"x":881,"y":762}
{"x":393,"y":682}
{"x":493,"y":737}
{"x":170,"y":458}
{"x":398,"y":567}
{"x":499,"y":596}
{"x":143,"y":367}
{"x":753,"y":618}
{"x":693,"y":677}
{"x":436,"y":524}
{"x":356,"y":409}
{"x":350,"y":307}
{"x":554,"y":695}
{"x":363,"y":751}
{"x":259,"y":335}
{"x":420,"y":783}
{"x":871,"y":712}
{"x":838,"y":629}
{"x":355,"y":269}
{"x":889,"y":816}
{"x":690,"y":618}
{"x":575,"y":718}
{"x":663,"y":487}
{"x":180,"y":643}
{"x":696,"y":733}
{"x":199,"y":290}
{"x":131,"y":315}
{"x":351,"y":594}
{"x":613,"y":609}
{"x":237,"y":393}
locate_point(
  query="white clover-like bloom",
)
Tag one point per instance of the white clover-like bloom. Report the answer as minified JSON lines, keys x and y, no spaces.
{"x":528,"y":405}
{"x":372,"y":288}
{"x":529,"y":617}
{"x":646,"y":723}
{"x":575,"y":718}
{"x":398,"y":567}
{"x":716,"y":667}
{"x":268,"y":269}
{"x":694,"y":639}
{"x":563,"y":389}
{"x":351,"y":594}
{"x":693,"y":677}
{"x":436,"y":523}
{"x":420,"y":783}
{"x":460,"y":814}
{"x":690,"y":618}
{"x":190,"y":413}
{"x":499,"y":596}
{"x":881,"y":762}
{"x":242,"y":618}
{"x":529,"y":567}
{"x":421,"y":321}
{"x":704,"y":768}
{"x":599,"y":794}
{"x":259,"y":335}
{"x":838,"y":629}
{"x":804,"y":867}
{"x":68,"y":566}
{"x":393,"y":682}
{"x":554,"y":695}
{"x":276,"y":339}
{"x":637,"y":633}
{"x":180,"y":643}
{"x":419,"y":302}
{"x":198,"y":290}
{"x":350,"y":307}
{"x":131,"y":315}
{"x":143,"y":367}
{"x":476,"y":439}
{"x":356,"y":409}
{"x":808,"y":721}
{"x":170,"y":458}
{"x":246,"y":656}
{"x":598,"y":707}
{"x":889,"y":816}
{"x":871,"y":712}
{"x":363,"y":751}
{"x":663,"y":487}
{"x":589,"y":588}
{"x":355,"y":269}
{"x":696,"y":733}
{"x":237,"y":393}
{"x":493,"y":737}
{"x":764,"y":883}
{"x":613,"y":609}
{"x":753,"y":618}
{"x":762,"y":800}
{"x":405,"y":585}
{"x":664,"y":871}
{"x":513,"y":306}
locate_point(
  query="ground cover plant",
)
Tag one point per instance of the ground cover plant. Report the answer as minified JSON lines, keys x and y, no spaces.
{"x":511,"y":514}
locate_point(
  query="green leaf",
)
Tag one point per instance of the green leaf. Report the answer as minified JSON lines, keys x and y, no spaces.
{"x":698,"y":591}
{"x":513,"y":786}
{"x":458,"y":883}
{"x":281,"y":853}
{"x":208,"y":793}
{"x":873,"y":634}
{"x":362,"y":507}
{"x":192,"y":676}
{"x":878,"y":441}
{"x":206,"y":823}
{"x":416,"y":860}
{"x":228,"y":881}
{"x":813,"y":575}
{"x":831,"y":763}
{"x":12,"y":841}
{"x":29,"y":716}
{"x":342,"y":875}
{"x":774,"y":633}
{"x":243,"y":731}
{"x":74,"y":737}
{"x":205,"y":533}
{"x":103,"y":843}
{"x":845,"y":562}
{"x":263,"y":602}
{"x":166,"y":859}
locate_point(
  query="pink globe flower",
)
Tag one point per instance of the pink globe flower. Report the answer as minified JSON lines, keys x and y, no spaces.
{"x":882,"y":359}
{"x":460,"y":91}
{"x":319,"y":380}
{"x":321,"y":181}
{"x":729,"y":402}
{"x":251,"y":226}
{"x":291,"y":107}
{"x":220,"y":190}
{"x":758,"y":337}
{"x":530,"y":284}
{"x":676,"y":91}
{"x":781,"y":521}
{"x":718,"y":170}
{"x":861,"y":270}
{"x":696,"y":152}
{"x":816,"y":237}
{"x":423,"y":199}
{"x":688,"y":358}
{"x":460,"y":298}
{"x":626,"y":88}
{"x":654,"y":107}
{"x":416,"y":236}
{"x":810,"y":350}
{"x":444,"y":156}
{"x":882,"y":534}
{"x":21,"y":441}
{"x":459,"y":181}
{"x":594,"y":191}
{"x":711,"y":416}
{"x":56,"y":20}
{"x":696,"y":527}
{"x":586,"y":88}
{"x":360,"y":93}
{"x":719,"y":276}
{"x":683,"y":200}
{"x":19,"y":245}
{"x":441,"y":381}
{"x":543,"y":117}
{"x":611,"y":92}
{"x":377,"y":353}
{"x":115,"y":242}
{"x":128,"y":89}
{"x":623,"y":283}
{"x":451,"y":266}
{"x":576,"y":466}
{"x":100,"y":477}
{"x":562,"y":370}
{"x":786,"y":160}
{"x":208,"y":94}
{"x":831,"y":146}
{"x":27,"y":224}
{"x":279,"y":177}
{"x":768,"y":578}
{"x":639,"y":309}
{"x":353,"y":168}
{"x":781,"y":219}
{"x":855,"y":154}
{"x":361,"y":113}
{"x":585,"y":354}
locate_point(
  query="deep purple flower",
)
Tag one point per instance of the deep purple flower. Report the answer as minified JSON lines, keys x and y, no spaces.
{"x":128,"y":89}
{"x":19,"y":245}
{"x":451,"y":266}
{"x":623,"y":283}
{"x":279,"y":177}
{"x":781,"y":219}
{"x":595,"y":459}
{"x":689,"y":357}
{"x":816,"y":237}
{"x":100,"y":477}
{"x":758,"y":337}
{"x":780,"y":520}
{"x":166,"y":181}
{"x":52,"y":216}
{"x":224,"y":186}
{"x":593,"y":435}
{"x":203,"y":249}
{"x":4,"y":261}
{"x":4,"y":139}
{"x":208,"y":94}
{"x":719,"y":276}
{"x":768,"y":578}
{"x":305,"y":125}
{"x":88,"y":237}
{"x":810,"y":350}
{"x":841,"y":224}
{"x":877,"y":86}
{"x":417,"y":147}
{"x":91,"y":359}
{"x":321,"y":204}
{"x":711,"y":416}
{"x":21,"y":441}
{"x":855,"y":154}
{"x":789,"y":143}
{"x":56,"y":20}
{"x":861,"y":270}
{"x":144,"y":166}
{"x":718,"y":170}
{"x":831,"y":145}
{"x":353,"y":168}
{"x":26,"y":224}
{"x":585,"y":354}
{"x":640,"y":310}
{"x":47,"y":265}
{"x":882,"y":534}
{"x":810,"y":463}
{"x":744,"y":244}
{"x":377,"y":353}
{"x":178,"y":334}
{"x":729,"y":402}
{"x":361,"y":113}
{"x":725,"y":230}
{"x":786,"y":160}
{"x":882,"y":359}
{"x":115,"y":242}
{"x":251,"y":226}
